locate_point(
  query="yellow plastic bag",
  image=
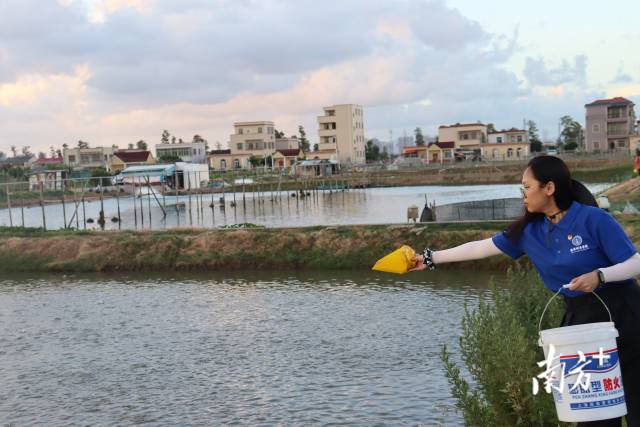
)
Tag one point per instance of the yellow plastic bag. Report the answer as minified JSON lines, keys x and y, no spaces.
{"x":398,"y":261}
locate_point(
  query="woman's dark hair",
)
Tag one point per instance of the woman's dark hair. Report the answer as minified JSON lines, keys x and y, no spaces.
{"x":552,"y":169}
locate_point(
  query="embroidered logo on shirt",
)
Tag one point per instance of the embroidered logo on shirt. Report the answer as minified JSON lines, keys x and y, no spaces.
{"x":576,"y":241}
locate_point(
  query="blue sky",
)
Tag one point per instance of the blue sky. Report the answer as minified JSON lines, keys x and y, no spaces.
{"x":116,"y":71}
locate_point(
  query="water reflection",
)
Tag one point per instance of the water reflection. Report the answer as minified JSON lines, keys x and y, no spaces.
{"x":255,"y":348}
{"x":371,"y":206}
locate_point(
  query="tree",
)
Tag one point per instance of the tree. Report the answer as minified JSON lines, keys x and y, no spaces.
{"x":164,"y":139}
{"x":279,"y":135}
{"x":141,"y":145}
{"x":385,"y":154}
{"x":26,"y":151}
{"x":2,"y":155}
{"x":65,"y":146}
{"x":52,"y":151}
{"x":571,"y":131}
{"x":59,"y":153}
{"x":535,"y":145}
{"x":14,"y":150}
{"x":419,"y":137}
{"x":570,"y":145}
{"x":173,"y":139}
{"x":180,"y":141}
{"x":102,"y":175}
{"x":169,"y":158}
{"x":371,"y":151}
{"x":42,"y":155}
{"x":83,"y":144}
{"x":490,"y":128}
{"x":303,"y":141}
{"x":316,"y":147}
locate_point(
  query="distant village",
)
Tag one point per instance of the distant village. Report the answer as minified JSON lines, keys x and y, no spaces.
{"x":610,"y":126}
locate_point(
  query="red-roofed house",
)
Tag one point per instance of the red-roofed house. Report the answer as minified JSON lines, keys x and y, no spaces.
{"x":287,"y":157}
{"x":122,"y":159}
{"x":610,"y":125}
{"x":434,"y":152}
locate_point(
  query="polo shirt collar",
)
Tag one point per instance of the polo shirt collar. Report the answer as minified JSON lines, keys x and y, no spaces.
{"x":567,"y":220}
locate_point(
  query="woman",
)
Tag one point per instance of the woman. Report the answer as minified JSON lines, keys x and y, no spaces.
{"x":570,"y":242}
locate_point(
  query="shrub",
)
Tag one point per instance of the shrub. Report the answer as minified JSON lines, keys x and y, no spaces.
{"x":499,"y":347}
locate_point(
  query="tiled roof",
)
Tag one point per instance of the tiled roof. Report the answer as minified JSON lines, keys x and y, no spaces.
{"x":616,"y":100}
{"x":512,"y":130}
{"x":289,"y":152}
{"x":135,"y":156}
{"x":49,"y":161}
{"x":446,"y":144}
{"x":408,"y":150}
{"x":459,"y":125}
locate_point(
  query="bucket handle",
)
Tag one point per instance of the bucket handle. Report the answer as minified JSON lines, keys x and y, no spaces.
{"x":556,"y":294}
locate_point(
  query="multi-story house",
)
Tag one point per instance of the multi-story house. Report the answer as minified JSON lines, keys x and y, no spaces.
{"x":466,"y":136}
{"x":88,"y":158}
{"x":250,"y":139}
{"x":510,"y":144}
{"x":475,"y":140}
{"x":188,"y":152}
{"x":341,"y":134}
{"x":610,"y":125}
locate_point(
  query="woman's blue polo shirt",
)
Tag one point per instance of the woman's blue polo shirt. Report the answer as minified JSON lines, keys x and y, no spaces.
{"x":585,"y":239}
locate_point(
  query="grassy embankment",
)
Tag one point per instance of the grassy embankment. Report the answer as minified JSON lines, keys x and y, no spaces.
{"x":343,"y":247}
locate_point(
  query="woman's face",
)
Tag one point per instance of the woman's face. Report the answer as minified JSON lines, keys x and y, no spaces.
{"x":536,"y":196}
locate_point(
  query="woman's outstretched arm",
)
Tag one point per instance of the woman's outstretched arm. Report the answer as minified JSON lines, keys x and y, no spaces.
{"x":465,"y":252}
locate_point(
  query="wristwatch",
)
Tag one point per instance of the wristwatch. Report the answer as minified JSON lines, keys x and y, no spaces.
{"x":600,"y":277}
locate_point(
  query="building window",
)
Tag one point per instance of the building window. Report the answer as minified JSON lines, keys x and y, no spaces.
{"x":510,"y":152}
{"x":616,"y":128}
{"x":223,"y":164}
{"x":269,"y":129}
{"x":519,"y":139}
{"x":622,"y":143}
{"x":499,"y":140}
{"x":236,"y":164}
{"x":240,"y":131}
{"x":259,"y":130}
{"x":595,"y":128}
{"x":72,"y":159}
{"x":240,"y":146}
{"x":250,"y":146}
{"x":518,"y":152}
{"x":596,"y":145}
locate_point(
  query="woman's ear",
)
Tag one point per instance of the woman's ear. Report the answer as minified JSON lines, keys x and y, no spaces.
{"x":550,"y":188}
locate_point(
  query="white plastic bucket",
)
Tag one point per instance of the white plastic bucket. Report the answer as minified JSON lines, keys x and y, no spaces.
{"x":600,"y":369}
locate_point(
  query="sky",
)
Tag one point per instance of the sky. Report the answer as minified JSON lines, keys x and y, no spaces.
{"x":117,"y":71}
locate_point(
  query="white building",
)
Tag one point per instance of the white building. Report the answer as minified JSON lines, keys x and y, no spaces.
{"x":190,"y":152}
{"x":88,"y":158}
{"x":341,"y":134}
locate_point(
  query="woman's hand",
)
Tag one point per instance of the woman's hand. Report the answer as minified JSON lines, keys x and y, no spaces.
{"x":418,"y":261}
{"x":585,"y":283}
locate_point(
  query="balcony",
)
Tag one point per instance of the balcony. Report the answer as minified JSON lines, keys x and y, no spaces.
{"x":326,"y":133}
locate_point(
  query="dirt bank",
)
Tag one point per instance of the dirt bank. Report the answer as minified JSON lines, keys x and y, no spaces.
{"x":344,"y":247}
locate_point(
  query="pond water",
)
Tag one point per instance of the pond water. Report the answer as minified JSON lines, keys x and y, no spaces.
{"x":288,"y":348}
{"x":370,"y":206}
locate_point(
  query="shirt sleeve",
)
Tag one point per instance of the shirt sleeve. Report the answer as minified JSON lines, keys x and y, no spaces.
{"x":509,"y":248}
{"x":613,"y":240}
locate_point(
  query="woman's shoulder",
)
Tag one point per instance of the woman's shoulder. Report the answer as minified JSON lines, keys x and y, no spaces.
{"x":592,"y":211}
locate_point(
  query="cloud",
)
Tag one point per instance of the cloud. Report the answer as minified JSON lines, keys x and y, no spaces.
{"x":539,"y":74}
{"x":621,"y":78}
{"x":115,"y":71}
